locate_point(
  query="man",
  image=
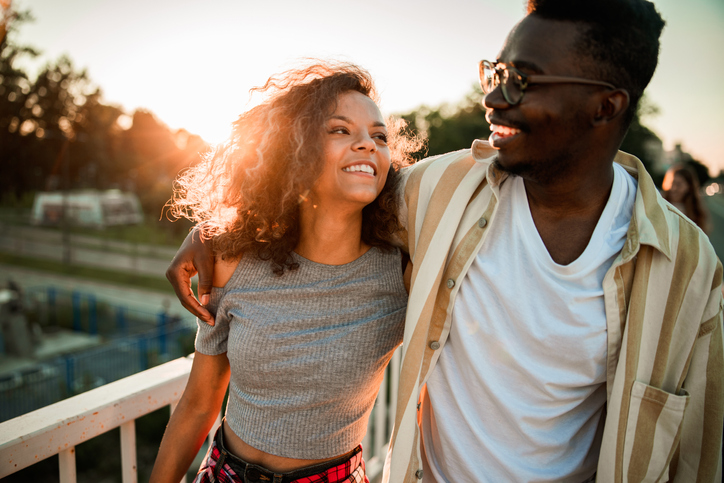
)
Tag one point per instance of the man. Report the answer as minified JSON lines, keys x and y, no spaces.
{"x":564,"y":322}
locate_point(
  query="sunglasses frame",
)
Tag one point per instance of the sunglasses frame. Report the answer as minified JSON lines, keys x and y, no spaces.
{"x":524,"y":80}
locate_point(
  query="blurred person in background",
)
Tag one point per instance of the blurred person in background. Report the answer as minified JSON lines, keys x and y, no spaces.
{"x":681,"y":189}
{"x":308,"y":297}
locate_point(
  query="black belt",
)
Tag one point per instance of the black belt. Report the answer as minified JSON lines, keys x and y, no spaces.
{"x":252,"y":473}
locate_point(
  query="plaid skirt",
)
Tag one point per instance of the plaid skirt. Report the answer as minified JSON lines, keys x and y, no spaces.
{"x":221,"y":466}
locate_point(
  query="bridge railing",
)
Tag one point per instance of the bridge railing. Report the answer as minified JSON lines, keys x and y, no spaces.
{"x":60,"y":427}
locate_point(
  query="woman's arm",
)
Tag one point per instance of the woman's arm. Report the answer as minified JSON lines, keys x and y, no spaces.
{"x":193,"y":417}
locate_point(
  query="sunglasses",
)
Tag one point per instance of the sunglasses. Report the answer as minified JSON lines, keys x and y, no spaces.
{"x":513,"y":82}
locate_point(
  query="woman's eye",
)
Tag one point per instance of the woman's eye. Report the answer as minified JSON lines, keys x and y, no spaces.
{"x":338,"y":130}
{"x":381,"y":136}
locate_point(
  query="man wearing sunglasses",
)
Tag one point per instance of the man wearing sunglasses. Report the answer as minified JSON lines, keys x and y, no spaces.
{"x":564,"y":321}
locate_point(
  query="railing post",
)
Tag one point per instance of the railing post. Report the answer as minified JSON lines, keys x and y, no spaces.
{"x":162,"y":320}
{"x":52,"y":315}
{"x":92,"y":315}
{"x":69,"y":374}
{"x":75,"y":300}
{"x":66,"y":464}
{"x":394,"y":373}
{"x":380,"y":420}
{"x":128,"y":452}
{"x":143,"y":352}
{"x":121,"y":320}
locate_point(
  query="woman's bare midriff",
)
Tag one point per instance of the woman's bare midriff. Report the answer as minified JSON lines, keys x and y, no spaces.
{"x":278,"y":464}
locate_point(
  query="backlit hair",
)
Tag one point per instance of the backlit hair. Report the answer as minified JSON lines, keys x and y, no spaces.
{"x":245,"y":195}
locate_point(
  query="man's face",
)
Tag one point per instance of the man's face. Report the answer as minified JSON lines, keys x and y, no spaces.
{"x":547,"y":131}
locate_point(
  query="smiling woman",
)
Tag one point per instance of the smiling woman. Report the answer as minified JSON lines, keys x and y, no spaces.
{"x":308,"y":297}
{"x":247,"y":193}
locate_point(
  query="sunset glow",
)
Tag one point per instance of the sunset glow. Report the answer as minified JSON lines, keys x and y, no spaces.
{"x":193,"y":64}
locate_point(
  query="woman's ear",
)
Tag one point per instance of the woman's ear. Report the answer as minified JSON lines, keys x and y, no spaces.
{"x":612,"y":104}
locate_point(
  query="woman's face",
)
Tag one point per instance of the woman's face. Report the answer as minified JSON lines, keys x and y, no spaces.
{"x":679,"y":189}
{"x":356,"y":156}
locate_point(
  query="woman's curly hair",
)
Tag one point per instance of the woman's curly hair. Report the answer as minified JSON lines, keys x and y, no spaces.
{"x":245,"y":194}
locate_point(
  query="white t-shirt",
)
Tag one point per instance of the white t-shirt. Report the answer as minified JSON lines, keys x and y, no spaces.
{"x":519,"y":389}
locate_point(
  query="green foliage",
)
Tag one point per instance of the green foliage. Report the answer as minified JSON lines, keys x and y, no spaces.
{"x":450,"y":128}
{"x":642,"y":142}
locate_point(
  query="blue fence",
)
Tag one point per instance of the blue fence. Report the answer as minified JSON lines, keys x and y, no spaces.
{"x":53,"y":380}
{"x":132,"y":341}
{"x":84,"y":312}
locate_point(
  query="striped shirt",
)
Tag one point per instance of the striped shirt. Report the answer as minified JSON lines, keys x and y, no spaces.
{"x":663,"y":302}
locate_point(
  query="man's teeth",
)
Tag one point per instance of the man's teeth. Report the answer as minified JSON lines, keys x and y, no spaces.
{"x":503,"y":130}
{"x":364,"y":168}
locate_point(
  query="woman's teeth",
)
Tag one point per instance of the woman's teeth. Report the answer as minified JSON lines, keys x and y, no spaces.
{"x":363,"y":168}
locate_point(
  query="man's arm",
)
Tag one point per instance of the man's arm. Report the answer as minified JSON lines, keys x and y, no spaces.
{"x":194,"y":256}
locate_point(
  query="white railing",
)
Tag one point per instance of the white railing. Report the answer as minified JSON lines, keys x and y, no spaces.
{"x":60,"y":427}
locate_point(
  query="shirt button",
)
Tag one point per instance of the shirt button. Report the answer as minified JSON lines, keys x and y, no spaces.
{"x":434,"y":345}
{"x":450,"y":283}
{"x":418,"y":474}
{"x":482,"y":222}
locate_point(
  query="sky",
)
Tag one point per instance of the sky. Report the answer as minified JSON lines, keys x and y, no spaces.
{"x":192,"y":62}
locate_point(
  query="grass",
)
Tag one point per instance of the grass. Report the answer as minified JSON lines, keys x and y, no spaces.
{"x":89,"y":273}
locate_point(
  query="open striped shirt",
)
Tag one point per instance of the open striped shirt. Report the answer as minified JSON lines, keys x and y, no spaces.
{"x":663,"y":301}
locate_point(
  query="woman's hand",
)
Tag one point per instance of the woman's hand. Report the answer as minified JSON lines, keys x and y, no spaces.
{"x":194,"y":256}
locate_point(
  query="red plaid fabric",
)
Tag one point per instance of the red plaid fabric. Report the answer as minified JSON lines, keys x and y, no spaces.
{"x":351,"y":471}
{"x":206,"y":470}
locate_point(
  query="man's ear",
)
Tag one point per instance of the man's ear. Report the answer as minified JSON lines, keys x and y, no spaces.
{"x":612,"y":104}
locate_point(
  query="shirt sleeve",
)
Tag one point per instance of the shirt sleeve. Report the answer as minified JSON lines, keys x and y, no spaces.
{"x":700,"y":449}
{"x":212,"y":340}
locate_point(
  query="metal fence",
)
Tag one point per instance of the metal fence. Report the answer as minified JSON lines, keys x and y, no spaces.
{"x":53,"y":380}
{"x":51,"y":307}
{"x":132,"y":341}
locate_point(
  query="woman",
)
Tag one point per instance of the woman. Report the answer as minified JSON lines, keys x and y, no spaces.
{"x":681,"y":189}
{"x":309,"y":298}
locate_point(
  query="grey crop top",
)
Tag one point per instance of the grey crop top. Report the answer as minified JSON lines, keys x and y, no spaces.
{"x":307,"y":350}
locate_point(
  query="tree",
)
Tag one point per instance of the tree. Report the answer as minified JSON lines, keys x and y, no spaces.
{"x":449,"y":128}
{"x":14,"y":90}
{"x":642,"y":142}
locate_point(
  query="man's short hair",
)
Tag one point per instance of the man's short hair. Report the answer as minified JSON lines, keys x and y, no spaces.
{"x":620,"y":37}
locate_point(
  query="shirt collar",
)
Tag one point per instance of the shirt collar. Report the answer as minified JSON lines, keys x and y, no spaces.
{"x":483,"y":153}
{"x":649,"y":222}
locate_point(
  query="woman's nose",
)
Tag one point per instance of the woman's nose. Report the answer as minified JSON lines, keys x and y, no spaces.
{"x":365,"y":142}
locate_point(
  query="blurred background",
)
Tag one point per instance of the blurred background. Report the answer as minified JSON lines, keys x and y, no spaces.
{"x":102,"y":103}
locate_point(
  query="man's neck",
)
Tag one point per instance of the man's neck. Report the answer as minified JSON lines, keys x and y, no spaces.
{"x":567,"y":210}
